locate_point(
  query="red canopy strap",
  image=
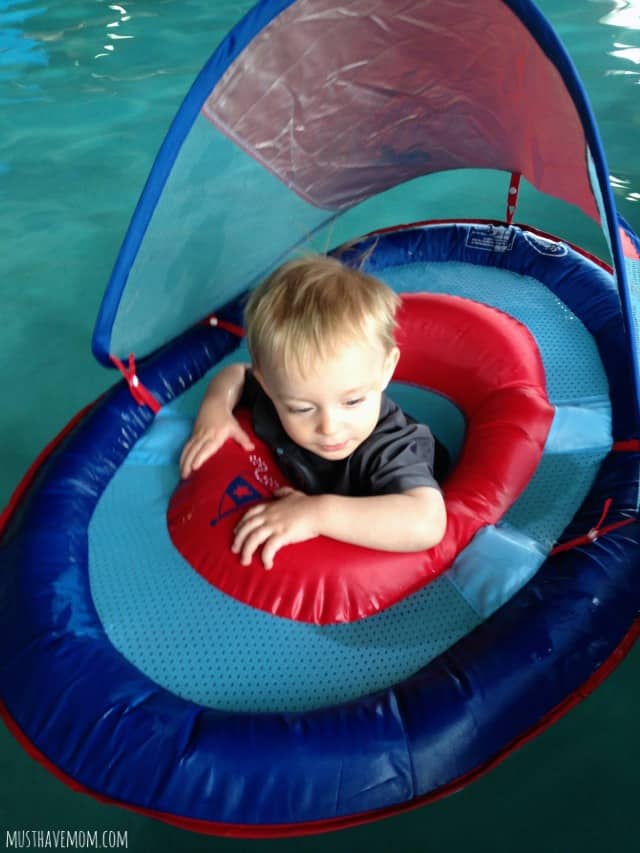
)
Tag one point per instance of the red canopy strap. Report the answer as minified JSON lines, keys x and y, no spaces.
{"x":596,"y":531}
{"x":213,"y":320}
{"x":140,"y":394}
{"x":512,"y":197}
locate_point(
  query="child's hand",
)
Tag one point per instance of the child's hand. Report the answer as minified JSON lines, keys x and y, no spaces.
{"x":207,"y":438}
{"x":273,"y":524}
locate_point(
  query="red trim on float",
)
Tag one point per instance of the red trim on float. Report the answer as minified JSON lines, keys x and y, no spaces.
{"x":497,"y":379}
{"x":333,"y":824}
{"x":630,"y":446}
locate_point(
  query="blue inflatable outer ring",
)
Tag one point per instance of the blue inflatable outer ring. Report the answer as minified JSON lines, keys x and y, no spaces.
{"x":103,"y":724}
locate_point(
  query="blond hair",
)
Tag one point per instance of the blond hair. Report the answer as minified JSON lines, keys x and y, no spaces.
{"x":310,"y":306}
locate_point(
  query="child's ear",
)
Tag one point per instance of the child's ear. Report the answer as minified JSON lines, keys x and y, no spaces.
{"x":390,"y":364}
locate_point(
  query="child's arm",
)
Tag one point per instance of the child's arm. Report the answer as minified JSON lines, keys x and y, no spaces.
{"x":215,"y":422}
{"x":411,"y":521}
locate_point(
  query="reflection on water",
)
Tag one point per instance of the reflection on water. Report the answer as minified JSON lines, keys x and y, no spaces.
{"x":124,"y":17}
{"x":625,"y":14}
{"x":618,"y":183}
{"x":624,"y":186}
{"x":33,"y":37}
{"x":626,"y":51}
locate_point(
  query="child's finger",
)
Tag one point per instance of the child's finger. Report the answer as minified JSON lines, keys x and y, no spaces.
{"x":207,"y":448}
{"x":242,"y":438}
{"x":270,"y":549}
{"x":186,"y":459}
{"x":187,"y":450}
{"x":190,"y":458}
{"x":257,"y":509}
{"x":253,"y":541}
{"x":250,"y":521}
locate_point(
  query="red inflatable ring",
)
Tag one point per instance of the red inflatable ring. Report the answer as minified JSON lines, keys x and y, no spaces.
{"x":482,"y":359}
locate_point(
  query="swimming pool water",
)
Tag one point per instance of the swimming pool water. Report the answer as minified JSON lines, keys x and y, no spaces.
{"x":87,"y":89}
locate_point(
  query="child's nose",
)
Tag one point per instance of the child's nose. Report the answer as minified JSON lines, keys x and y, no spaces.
{"x":327,"y":423}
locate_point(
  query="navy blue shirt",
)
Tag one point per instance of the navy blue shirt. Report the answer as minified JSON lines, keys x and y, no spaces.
{"x":397,"y":456}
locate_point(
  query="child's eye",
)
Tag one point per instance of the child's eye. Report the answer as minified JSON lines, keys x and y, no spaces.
{"x":298,"y":410}
{"x":355,"y":401}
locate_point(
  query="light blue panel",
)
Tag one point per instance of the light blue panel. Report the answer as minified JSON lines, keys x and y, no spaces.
{"x":581,"y":430}
{"x":494,"y":566}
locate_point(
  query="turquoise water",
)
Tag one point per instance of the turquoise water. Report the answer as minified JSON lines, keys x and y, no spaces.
{"x":87,"y":89}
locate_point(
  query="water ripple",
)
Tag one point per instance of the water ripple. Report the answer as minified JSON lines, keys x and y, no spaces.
{"x":18,"y":52}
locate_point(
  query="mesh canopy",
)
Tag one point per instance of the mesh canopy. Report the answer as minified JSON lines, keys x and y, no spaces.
{"x":311,"y":107}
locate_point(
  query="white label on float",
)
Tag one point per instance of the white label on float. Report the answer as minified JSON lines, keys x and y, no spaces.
{"x":491,"y":238}
{"x":544,"y":246}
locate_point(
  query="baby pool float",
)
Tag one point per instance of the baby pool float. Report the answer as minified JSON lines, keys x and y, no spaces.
{"x":139,"y":661}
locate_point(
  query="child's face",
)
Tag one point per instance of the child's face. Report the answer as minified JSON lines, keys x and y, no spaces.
{"x":335,"y":406}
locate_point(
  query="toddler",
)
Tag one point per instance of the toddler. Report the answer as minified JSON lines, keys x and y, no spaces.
{"x":321,"y":339}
